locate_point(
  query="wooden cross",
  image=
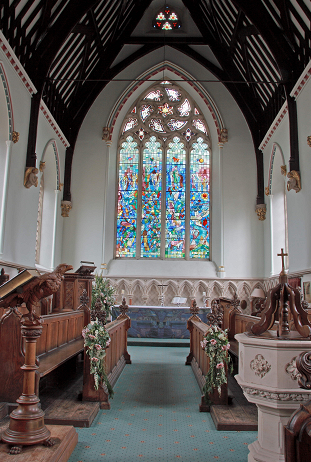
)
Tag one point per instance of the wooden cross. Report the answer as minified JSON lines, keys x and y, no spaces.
{"x":282,"y":254}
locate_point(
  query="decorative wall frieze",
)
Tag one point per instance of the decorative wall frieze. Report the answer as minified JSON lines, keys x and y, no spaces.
{"x":260,"y":366}
{"x":291,"y":369}
{"x":144,"y":291}
{"x":66,"y":207}
{"x":274,"y":395}
{"x":261,"y":211}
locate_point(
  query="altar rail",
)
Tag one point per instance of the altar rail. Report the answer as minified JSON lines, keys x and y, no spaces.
{"x":199,"y":361}
{"x":116,"y":358}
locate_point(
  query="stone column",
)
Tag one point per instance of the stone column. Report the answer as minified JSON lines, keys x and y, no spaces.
{"x":57,"y":191}
{"x":221,"y":269}
{"x":4,"y":193}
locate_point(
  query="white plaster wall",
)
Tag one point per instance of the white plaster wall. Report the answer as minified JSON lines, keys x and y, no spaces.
{"x":22,"y":203}
{"x":93,"y":187}
{"x":298,"y":204}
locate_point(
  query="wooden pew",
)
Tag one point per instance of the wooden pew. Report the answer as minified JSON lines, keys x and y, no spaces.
{"x":116,"y":358}
{"x":61,"y":339}
{"x":199,"y":362}
{"x":297,"y":432}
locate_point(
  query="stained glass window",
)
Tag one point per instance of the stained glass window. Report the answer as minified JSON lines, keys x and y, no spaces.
{"x":166,"y":19}
{"x":127,"y":199}
{"x":164,"y":177}
{"x":199,"y":200}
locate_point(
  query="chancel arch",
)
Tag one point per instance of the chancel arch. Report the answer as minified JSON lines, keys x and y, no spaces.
{"x":278,"y":208}
{"x":48,"y":206}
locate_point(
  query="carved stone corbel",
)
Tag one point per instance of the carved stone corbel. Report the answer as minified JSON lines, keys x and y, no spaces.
{"x":15,"y":137}
{"x":224,"y":135}
{"x":294,"y":181}
{"x":106,"y":134}
{"x":66,"y":207}
{"x":31,"y":177}
{"x":261,"y":211}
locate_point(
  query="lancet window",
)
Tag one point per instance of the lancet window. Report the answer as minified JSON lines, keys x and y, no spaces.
{"x":163,"y":208}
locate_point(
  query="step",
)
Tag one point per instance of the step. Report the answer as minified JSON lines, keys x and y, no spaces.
{"x":159,"y":342}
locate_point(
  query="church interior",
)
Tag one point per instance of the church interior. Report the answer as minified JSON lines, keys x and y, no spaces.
{"x":165,"y":147}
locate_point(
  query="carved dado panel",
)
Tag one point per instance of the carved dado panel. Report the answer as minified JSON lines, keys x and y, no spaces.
{"x":150,"y":291}
{"x":82,"y":285}
{"x":69,"y":298}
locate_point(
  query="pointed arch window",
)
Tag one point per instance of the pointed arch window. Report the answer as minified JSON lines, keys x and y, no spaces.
{"x":163,"y":208}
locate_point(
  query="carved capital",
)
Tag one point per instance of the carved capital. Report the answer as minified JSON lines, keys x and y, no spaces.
{"x":30,"y":177}
{"x":224,"y":135}
{"x":261,"y":211}
{"x":66,"y":207}
{"x":41,"y":166}
{"x":309,"y":141}
{"x":294,"y":181}
{"x":283,"y":170}
{"x":106,"y":134}
{"x":15,"y":137}
{"x":267,"y":191}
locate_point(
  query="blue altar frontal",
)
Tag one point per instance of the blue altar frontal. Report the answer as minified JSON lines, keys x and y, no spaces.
{"x":159,"y":321}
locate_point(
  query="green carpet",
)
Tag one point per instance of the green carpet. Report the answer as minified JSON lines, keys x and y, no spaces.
{"x":155,"y":417}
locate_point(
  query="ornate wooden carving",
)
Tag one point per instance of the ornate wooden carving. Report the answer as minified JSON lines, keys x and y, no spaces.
{"x":280,"y":300}
{"x":3,"y":277}
{"x":27,"y":421}
{"x":98,"y":312}
{"x":217,"y":314}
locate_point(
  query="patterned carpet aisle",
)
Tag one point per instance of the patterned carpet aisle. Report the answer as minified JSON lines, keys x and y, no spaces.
{"x":155,"y":416}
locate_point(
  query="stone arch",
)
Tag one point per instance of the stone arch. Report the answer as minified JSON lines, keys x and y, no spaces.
{"x":278,"y":208}
{"x":48,"y":206}
{"x":150,"y":74}
{"x":230,"y":289}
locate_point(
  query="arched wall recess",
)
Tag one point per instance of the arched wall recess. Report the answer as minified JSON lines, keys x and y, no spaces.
{"x":278,"y":208}
{"x":48,"y":207}
{"x":216,"y":125}
{"x":6,"y":139}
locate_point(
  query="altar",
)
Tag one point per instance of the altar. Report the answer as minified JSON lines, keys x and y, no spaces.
{"x":159,"y":321}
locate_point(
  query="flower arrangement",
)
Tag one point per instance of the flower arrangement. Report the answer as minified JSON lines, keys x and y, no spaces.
{"x":101,"y":289}
{"x":96,"y":340}
{"x":216,"y":345}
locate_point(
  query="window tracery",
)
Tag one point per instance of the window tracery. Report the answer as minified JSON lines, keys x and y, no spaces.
{"x":164,"y":177}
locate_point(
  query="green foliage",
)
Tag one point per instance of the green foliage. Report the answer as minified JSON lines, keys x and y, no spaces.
{"x":96,"y":340}
{"x":104,"y":291}
{"x":216,"y":345}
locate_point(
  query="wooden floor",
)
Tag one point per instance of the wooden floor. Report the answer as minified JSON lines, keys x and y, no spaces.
{"x":65,"y":439}
{"x":240,"y":415}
